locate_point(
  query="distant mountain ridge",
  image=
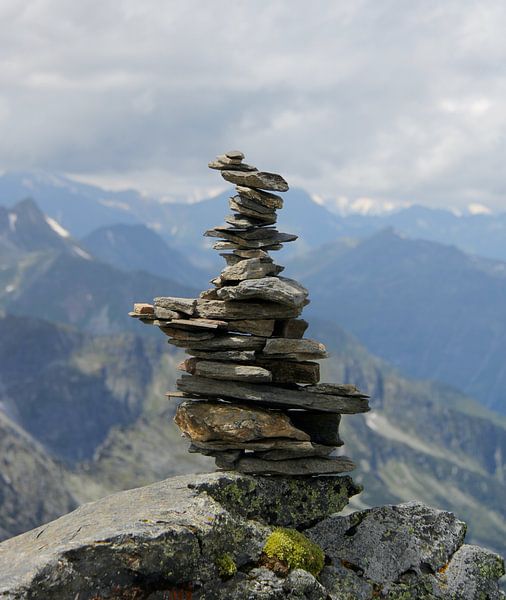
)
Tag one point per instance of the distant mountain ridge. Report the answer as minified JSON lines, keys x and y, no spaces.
{"x":82,"y":208}
{"x":429,"y":309}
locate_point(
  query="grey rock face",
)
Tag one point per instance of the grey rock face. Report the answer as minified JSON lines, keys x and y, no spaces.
{"x":257,"y":179}
{"x":273,"y":289}
{"x":170,"y":538}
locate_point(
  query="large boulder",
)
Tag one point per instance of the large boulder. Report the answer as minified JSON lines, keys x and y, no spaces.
{"x":204,"y":537}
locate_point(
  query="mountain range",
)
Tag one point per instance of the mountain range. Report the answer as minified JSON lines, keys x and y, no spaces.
{"x":82,"y":208}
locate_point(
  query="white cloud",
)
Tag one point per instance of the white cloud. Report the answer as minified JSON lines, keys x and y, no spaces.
{"x":388,"y":101}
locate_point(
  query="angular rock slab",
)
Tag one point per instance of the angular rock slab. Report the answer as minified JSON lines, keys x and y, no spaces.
{"x":226,"y":371}
{"x":270,"y":395}
{"x":279,"y":290}
{"x":184,"y":305}
{"x":386,"y":542}
{"x":257,"y":179}
{"x":206,"y":421}
{"x":265,"y":198}
{"x":240,"y":311}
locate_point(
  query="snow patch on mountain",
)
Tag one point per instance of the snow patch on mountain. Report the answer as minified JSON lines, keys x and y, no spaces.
{"x":57,"y":228}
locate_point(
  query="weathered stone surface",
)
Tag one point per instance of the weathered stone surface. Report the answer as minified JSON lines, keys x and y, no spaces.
{"x":240,"y":311}
{"x":251,"y":209}
{"x":265,"y":198}
{"x":185,"y":335}
{"x":340,"y":389}
{"x":251,"y":253}
{"x":271,"y":395}
{"x":290,"y":328}
{"x":295,"y":466}
{"x":386,"y":542}
{"x":226,"y":371}
{"x":184,"y":305}
{"x":233,"y":355}
{"x":257,"y":179}
{"x":322,"y":427}
{"x":142,"y":308}
{"x":295,"y":451}
{"x":225,"y":342}
{"x":284,"y":371}
{"x":295,"y":346}
{"x":209,"y":294}
{"x":204,"y":421}
{"x":249,"y":268}
{"x":472,"y":574}
{"x":171,"y":535}
{"x":245,"y":222}
{"x":273,"y":289}
{"x":196,"y":324}
{"x":262,"y":327}
{"x":235,"y":154}
{"x":223,"y":163}
{"x":266,"y":445}
{"x":267,"y":237}
{"x":165,"y":313}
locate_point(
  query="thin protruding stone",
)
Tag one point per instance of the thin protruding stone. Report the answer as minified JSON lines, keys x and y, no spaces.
{"x":142,"y":308}
{"x":271,"y":395}
{"x":225,"y":355}
{"x":257,"y":179}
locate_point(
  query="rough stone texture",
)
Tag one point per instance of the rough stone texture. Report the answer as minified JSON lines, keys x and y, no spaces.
{"x":250,"y":268}
{"x":229,"y":371}
{"x":257,"y":179}
{"x":240,"y":311}
{"x":261,"y":327}
{"x":296,"y":466}
{"x":224,"y":342}
{"x":265,"y":198}
{"x":184,"y":305}
{"x":297,"y":346}
{"x":158,"y":541}
{"x":271,"y":395}
{"x":203,"y":421}
{"x":272,"y":289}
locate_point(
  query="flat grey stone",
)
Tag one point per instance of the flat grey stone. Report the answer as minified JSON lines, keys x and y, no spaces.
{"x":273,"y":289}
{"x":239,"y":311}
{"x":295,"y":466}
{"x":235,"y":154}
{"x":269,"y":395}
{"x":244,"y":222}
{"x":249,"y":268}
{"x":226,"y":355}
{"x":257,"y":179}
{"x":184,"y":305}
{"x":297,"y":346}
{"x":224,"y":342}
{"x":268,"y":237}
{"x":227,"y":371}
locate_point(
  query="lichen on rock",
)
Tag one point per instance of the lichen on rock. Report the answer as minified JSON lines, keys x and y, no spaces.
{"x":295,"y":550}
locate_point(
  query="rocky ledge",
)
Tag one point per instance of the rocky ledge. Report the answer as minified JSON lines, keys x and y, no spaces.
{"x":232,"y":536}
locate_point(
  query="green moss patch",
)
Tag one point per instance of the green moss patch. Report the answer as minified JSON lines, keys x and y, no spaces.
{"x":295,"y":550}
{"x":226,"y":565}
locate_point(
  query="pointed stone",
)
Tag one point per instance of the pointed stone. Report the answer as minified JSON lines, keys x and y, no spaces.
{"x":273,"y":289}
{"x":203,"y":421}
{"x":272,"y":396}
{"x":257,"y":179}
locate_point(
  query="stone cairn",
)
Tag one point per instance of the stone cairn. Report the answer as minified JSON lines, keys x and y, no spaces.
{"x":252,"y":394}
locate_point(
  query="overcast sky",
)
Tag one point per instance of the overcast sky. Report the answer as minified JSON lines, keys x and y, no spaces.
{"x":386,"y":100}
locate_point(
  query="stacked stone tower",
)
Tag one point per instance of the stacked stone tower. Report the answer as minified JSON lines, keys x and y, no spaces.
{"x":252,"y":397}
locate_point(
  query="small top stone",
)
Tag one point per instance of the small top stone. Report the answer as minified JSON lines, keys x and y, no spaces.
{"x":235,"y":154}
